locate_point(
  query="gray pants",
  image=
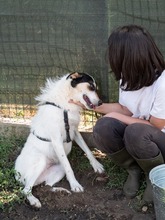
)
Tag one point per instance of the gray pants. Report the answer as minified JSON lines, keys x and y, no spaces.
{"x":141,"y":141}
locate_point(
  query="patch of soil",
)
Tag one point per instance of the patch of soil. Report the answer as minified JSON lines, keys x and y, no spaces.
{"x":96,"y":203}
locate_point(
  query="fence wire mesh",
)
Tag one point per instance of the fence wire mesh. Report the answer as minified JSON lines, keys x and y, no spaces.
{"x":40,"y":39}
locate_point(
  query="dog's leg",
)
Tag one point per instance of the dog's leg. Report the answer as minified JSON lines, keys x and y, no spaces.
{"x":31,"y":179}
{"x":60,"y":189}
{"x":60,"y":152}
{"x":32,"y":199}
{"x":53,"y":175}
{"x":98,"y":167}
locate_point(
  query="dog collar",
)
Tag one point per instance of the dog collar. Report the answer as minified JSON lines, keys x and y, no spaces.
{"x":66,"y":121}
{"x":41,"y":138}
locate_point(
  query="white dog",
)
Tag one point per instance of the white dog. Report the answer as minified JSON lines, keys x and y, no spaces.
{"x":44,"y":155}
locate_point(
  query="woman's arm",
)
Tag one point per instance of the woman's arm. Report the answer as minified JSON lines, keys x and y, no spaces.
{"x":157,"y":122}
{"x":153,"y":121}
{"x":106,"y":108}
{"x":115,"y":110}
{"x":126,"y":118}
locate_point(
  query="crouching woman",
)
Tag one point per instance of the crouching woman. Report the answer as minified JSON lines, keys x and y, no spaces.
{"x":131,"y":131}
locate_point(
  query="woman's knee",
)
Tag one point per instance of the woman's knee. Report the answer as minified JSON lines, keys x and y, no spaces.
{"x":138,"y":141}
{"x":108,"y":134}
{"x":133,"y":133}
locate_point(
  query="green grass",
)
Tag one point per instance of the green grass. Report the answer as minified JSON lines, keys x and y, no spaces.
{"x":10,"y":189}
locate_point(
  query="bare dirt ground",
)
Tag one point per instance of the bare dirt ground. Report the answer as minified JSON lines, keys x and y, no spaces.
{"x":97,"y":202}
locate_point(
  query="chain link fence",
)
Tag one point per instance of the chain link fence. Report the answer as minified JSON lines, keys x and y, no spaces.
{"x":40,"y":39}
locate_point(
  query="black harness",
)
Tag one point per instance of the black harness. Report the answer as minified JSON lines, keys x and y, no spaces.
{"x":68,"y":139}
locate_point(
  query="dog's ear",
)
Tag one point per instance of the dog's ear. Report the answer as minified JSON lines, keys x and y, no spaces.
{"x":75,"y":76}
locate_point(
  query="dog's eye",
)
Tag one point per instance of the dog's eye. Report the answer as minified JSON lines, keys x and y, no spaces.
{"x":92,"y":87}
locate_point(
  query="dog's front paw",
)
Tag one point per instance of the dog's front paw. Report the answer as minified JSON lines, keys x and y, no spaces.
{"x":34,"y":201}
{"x":98,"y":167}
{"x":76,"y":187}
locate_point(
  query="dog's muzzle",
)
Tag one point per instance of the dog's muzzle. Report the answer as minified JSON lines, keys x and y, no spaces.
{"x":89,"y":103}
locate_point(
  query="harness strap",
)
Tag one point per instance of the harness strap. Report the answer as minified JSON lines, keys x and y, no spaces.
{"x":66,"y":121}
{"x":67,"y":127}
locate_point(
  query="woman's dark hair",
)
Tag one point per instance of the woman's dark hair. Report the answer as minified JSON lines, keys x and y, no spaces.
{"x":134,"y":57}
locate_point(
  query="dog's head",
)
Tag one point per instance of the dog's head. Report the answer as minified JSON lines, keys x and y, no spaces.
{"x":85,"y":89}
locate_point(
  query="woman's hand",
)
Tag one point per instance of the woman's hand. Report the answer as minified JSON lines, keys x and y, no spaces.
{"x":107,"y":108}
{"x":77,"y":103}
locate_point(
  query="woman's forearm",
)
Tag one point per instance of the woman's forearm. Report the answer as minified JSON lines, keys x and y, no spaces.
{"x":106,"y":108}
{"x":127,"y":119}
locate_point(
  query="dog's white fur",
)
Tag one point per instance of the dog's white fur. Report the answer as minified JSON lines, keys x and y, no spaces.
{"x":41,"y":161}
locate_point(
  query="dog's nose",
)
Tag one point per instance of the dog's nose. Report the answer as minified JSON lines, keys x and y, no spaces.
{"x":100,"y":102}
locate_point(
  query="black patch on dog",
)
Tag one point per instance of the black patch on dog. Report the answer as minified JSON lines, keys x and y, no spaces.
{"x":82,"y":78}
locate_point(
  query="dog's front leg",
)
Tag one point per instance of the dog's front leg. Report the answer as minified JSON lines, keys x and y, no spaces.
{"x":98,"y":167}
{"x":60,"y":152}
